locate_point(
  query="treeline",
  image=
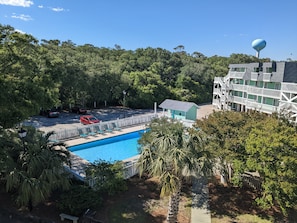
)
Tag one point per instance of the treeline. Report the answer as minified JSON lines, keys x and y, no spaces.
{"x":42,"y":74}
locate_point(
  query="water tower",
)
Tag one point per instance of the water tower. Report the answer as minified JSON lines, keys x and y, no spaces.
{"x":258,"y":45}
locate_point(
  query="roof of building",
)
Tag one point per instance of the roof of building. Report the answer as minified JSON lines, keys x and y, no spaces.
{"x":177,"y":105}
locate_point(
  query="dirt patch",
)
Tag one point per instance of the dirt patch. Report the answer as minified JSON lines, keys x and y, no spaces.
{"x":142,"y":203}
{"x":231,"y":202}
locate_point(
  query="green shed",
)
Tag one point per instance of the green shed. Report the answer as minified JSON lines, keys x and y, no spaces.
{"x":180,"y":109}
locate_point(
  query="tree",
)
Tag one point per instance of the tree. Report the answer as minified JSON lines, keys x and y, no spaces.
{"x":172,"y":153}
{"x":147,"y":89}
{"x":23,"y":81}
{"x":34,"y":168}
{"x":272,"y":152}
{"x":227,"y":131}
{"x":256,"y":142}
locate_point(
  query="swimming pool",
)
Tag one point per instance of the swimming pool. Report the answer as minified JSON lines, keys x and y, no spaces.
{"x":110,"y":149}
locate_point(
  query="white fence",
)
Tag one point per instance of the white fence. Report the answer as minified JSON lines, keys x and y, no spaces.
{"x":130,"y":170}
{"x":122,"y":123}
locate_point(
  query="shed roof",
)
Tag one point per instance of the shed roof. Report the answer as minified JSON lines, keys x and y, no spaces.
{"x":177,"y":105}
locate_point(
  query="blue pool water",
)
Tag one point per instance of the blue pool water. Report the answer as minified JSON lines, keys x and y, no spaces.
{"x":110,"y":149}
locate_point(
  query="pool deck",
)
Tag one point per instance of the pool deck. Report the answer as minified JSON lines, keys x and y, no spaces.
{"x":96,"y":137}
{"x":79,"y":164}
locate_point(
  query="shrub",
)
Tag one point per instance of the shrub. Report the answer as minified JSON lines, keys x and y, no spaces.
{"x":109,"y":177}
{"x":78,"y":199}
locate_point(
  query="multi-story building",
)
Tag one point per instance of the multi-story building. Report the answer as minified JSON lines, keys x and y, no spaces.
{"x":266,"y":87}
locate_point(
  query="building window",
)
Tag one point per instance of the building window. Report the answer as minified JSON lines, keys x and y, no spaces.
{"x":238,"y":69}
{"x":276,"y":102}
{"x":252,"y":83}
{"x":238,"y":93}
{"x":237,"y":81}
{"x":259,"y":99}
{"x":260,"y":84}
{"x":272,"y":85}
{"x":258,"y":69}
{"x":268,"y":69}
{"x":252,"y":97}
{"x":270,"y":101}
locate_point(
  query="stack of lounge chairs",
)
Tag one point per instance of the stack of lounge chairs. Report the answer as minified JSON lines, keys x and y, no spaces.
{"x":98,"y":129}
{"x":115,"y":127}
{"x":106,"y":128}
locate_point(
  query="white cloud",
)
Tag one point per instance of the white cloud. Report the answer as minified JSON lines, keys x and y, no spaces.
{"x":40,"y":6}
{"x":57,"y":9}
{"x":22,"y":17}
{"x":23,"y":3}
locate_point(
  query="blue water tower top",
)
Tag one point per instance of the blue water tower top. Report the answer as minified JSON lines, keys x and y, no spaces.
{"x":258,"y":44}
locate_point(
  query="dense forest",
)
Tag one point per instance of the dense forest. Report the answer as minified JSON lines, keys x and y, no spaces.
{"x":51,"y":73}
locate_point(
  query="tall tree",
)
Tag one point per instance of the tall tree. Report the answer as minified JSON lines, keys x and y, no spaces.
{"x":272,"y":152}
{"x":172,"y":154}
{"x":23,"y":81}
{"x":227,"y":131}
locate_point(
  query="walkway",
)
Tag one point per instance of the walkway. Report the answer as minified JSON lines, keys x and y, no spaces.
{"x":200,"y":212}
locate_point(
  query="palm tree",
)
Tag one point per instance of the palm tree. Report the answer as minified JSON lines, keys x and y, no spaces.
{"x":35,"y":168}
{"x":173,"y":154}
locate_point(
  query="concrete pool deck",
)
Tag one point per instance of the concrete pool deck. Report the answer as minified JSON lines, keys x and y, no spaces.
{"x":79,"y":164}
{"x":96,"y":137}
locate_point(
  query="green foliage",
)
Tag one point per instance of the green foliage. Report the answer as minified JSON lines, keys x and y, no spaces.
{"x":78,"y":199}
{"x":32,"y":169}
{"x":272,"y":147}
{"x":259,"y":143}
{"x":109,"y":177}
{"x":24,"y":83}
{"x":54,"y":73}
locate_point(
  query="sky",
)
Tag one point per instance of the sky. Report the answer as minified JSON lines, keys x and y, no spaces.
{"x":210,"y":27}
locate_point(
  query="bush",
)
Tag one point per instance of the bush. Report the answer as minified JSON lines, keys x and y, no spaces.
{"x":78,"y":199}
{"x":109,"y":177}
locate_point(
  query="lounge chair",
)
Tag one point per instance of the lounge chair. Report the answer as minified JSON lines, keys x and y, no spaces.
{"x":98,"y":130}
{"x":82,"y":134}
{"x":90,"y":132}
{"x":106,"y":128}
{"x":115,"y":127}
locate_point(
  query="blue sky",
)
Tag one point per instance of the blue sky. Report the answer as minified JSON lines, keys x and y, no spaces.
{"x":211,"y":27}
